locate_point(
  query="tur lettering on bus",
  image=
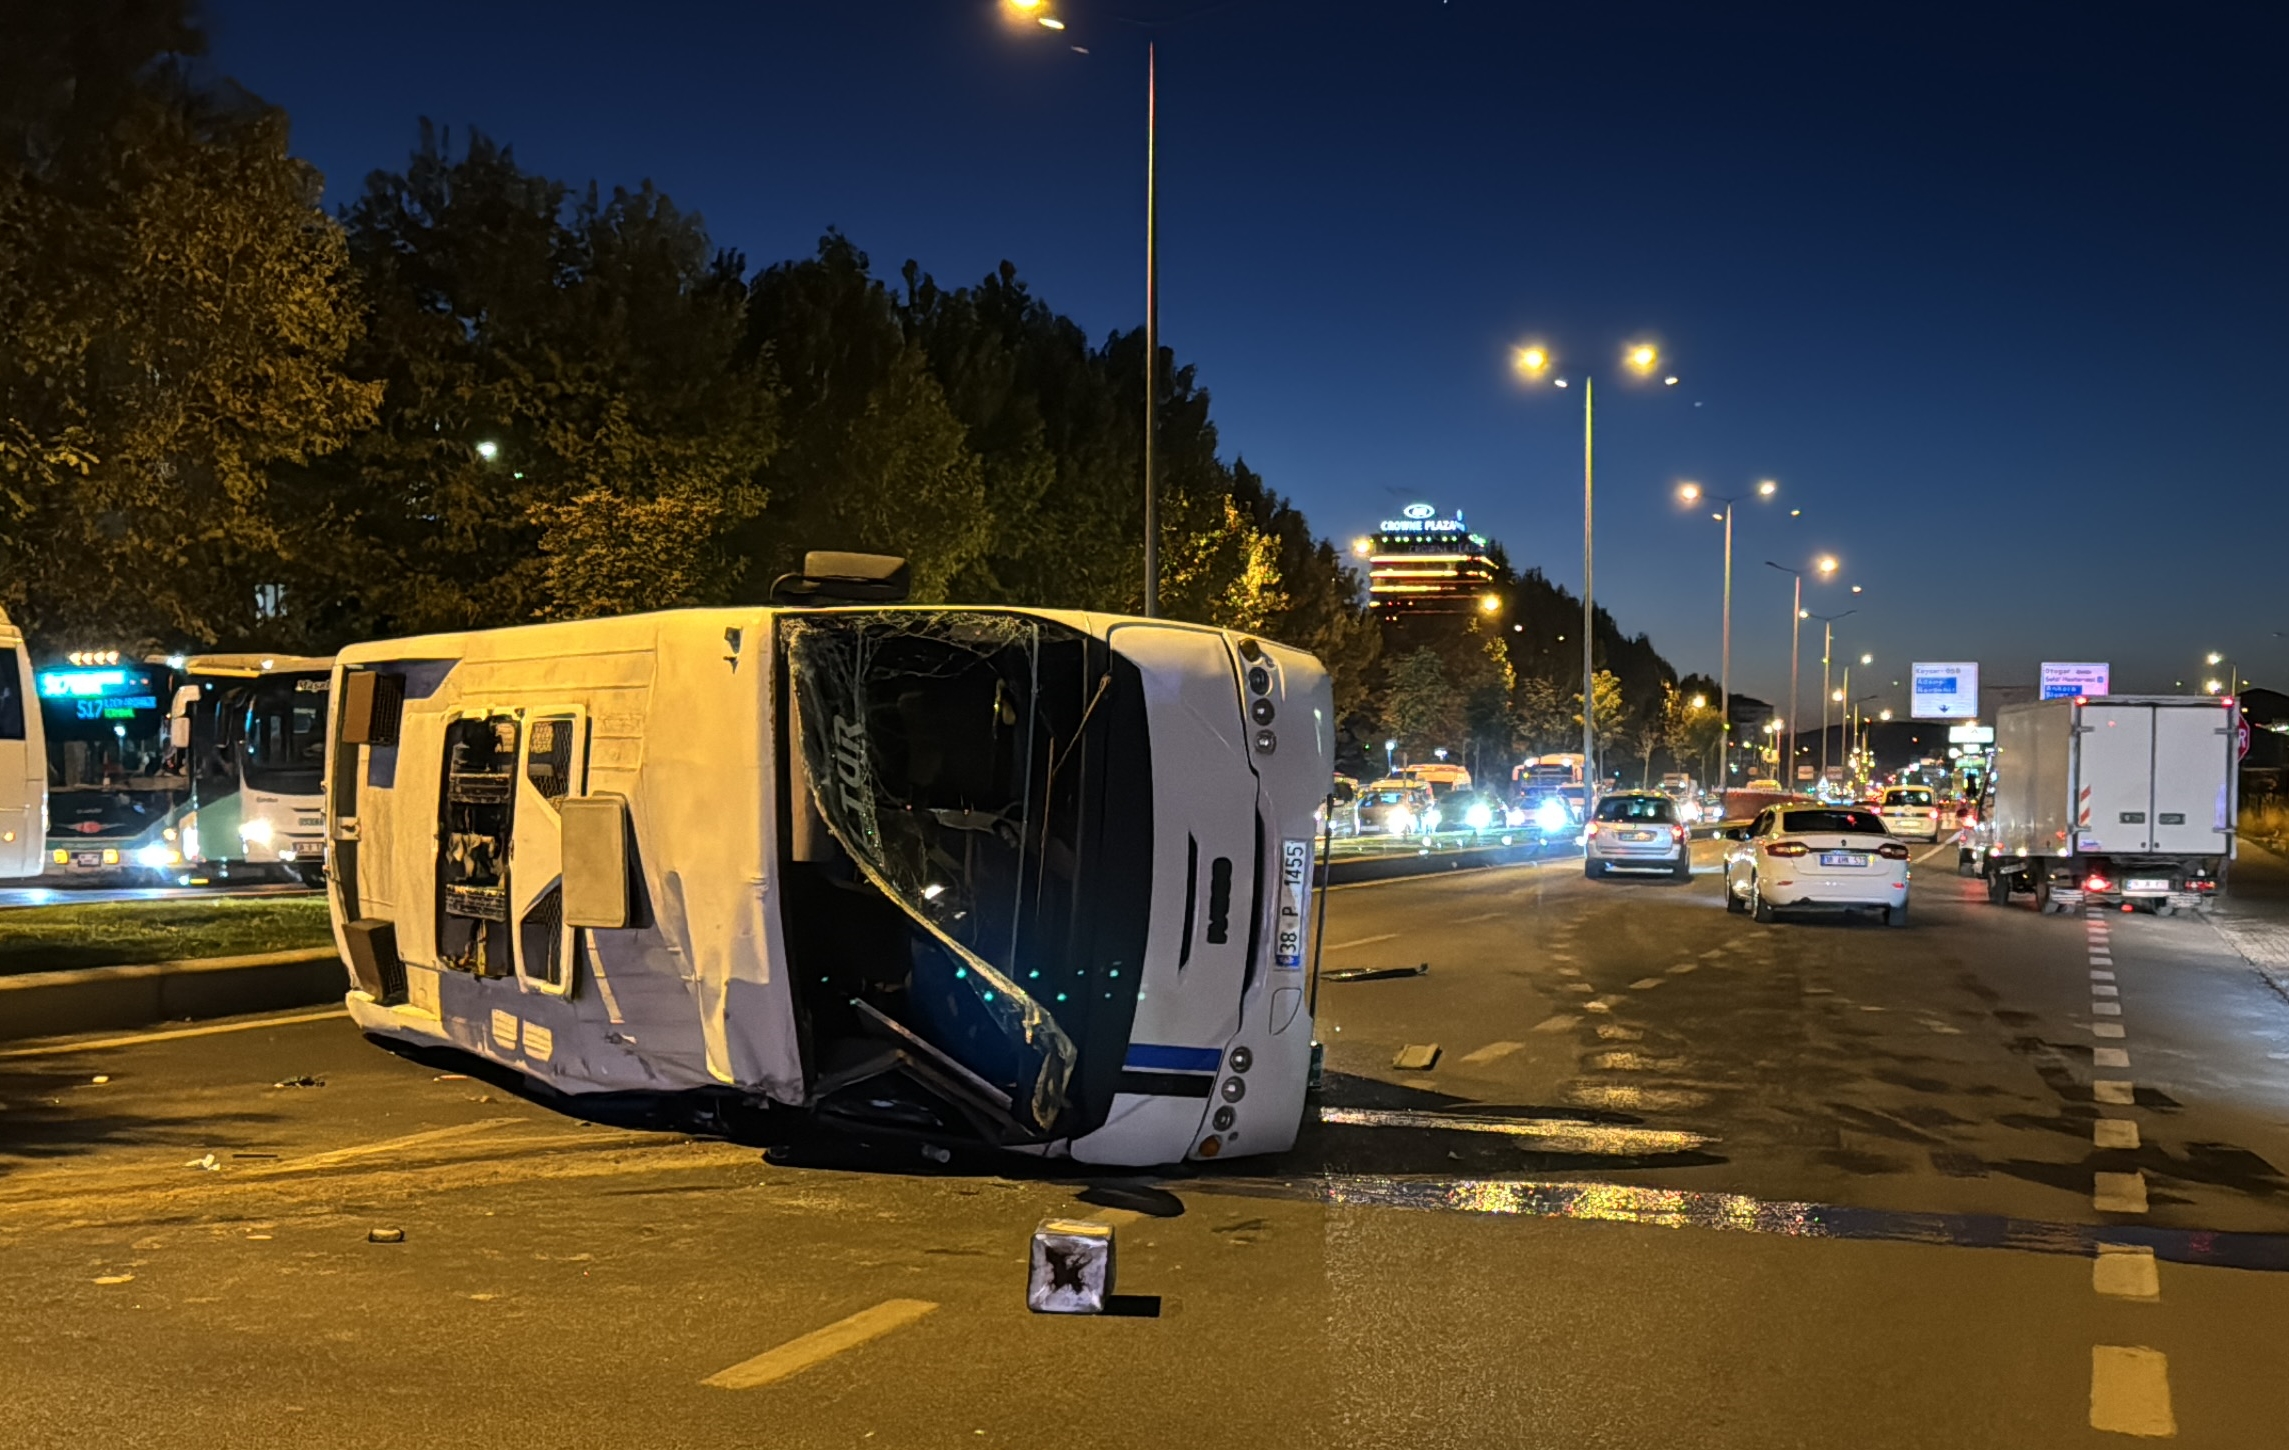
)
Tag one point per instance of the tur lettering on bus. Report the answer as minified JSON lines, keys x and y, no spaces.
{"x":850,"y":761}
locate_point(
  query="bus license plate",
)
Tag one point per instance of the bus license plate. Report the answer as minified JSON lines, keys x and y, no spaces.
{"x":1842,"y":858}
{"x":2141,"y":883}
{"x":1295,"y":905}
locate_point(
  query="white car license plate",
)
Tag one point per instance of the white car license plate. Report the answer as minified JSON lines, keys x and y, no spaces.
{"x":1637,"y":835}
{"x":87,"y":858}
{"x":2142,"y":883}
{"x":1842,"y":858}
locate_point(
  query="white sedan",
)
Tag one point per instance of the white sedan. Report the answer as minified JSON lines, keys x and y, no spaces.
{"x":1820,"y":857}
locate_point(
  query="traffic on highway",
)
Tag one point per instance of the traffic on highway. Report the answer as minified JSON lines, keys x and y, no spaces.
{"x":1540,"y":729}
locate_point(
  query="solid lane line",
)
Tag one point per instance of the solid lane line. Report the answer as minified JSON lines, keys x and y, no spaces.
{"x":1365,"y":941}
{"x":173,"y":1034}
{"x":2130,"y":1391}
{"x":797,"y":1355}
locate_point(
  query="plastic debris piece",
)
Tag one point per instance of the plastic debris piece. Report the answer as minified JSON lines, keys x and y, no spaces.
{"x":208,"y":1163}
{"x":114,"y":1278}
{"x":451,"y":1077}
{"x":100,"y":1078}
{"x":1072,"y":1267}
{"x":385,"y":1236}
{"x":1375,"y":974}
{"x":305,"y":1080}
{"x":1417,"y":1057}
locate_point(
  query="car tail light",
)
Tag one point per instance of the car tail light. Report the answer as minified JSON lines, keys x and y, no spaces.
{"x":1676,"y":833}
{"x":1784,"y":848}
{"x":2096,"y":883}
{"x":1892,"y":851}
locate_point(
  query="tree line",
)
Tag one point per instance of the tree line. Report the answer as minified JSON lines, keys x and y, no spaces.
{"x":478,"y":396}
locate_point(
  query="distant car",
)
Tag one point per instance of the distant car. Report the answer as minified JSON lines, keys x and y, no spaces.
{"x":1909,"y":811}
{"x":1340,"y":811}
{"x":1440,"y":776}
{"x":1548,"y":813}
{"x":1827,"y":857}
{"x":1397,"y":808}
{"x":1478,"y":811}
{"x":1636,"y":830}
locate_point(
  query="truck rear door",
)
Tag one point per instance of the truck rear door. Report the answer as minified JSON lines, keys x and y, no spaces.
{"x":2114,"y":795}
{"x":2193,"y":768}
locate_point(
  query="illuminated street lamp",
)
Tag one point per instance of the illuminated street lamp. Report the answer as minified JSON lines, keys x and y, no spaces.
{"x":488,"y":450}
{"x":1490,"y":603}
{"x":1363,"y":546}
{"x":1532,"y":362}
{"x":1827,"y":647}
{"x":1694,"y":493}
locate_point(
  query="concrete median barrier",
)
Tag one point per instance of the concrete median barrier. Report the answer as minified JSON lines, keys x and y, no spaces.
{"x":101,"y":999}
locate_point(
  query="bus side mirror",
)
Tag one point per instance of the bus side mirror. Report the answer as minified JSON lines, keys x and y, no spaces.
{"x":179,"y":732}
{"x":596,"y":861}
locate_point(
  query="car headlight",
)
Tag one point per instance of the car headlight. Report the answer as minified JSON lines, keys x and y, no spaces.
{"x":1402,"y":820}
{"x":254,"y":833}
{"x":1479,"y":817}
{"x":1550,"y":815}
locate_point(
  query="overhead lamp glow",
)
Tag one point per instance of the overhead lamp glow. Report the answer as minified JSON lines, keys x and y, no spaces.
{"x":1767,"y":489}
{"x":1643,"y":356}
{"x":1828,"y":564}
{"x":1690,"y":492}
{"x":1531,"y":360}
{"x":1051,"y":22}
{"x":488,"y":450}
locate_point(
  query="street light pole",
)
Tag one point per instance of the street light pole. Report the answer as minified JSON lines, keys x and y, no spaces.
{"x":1152,"y":333}
{"x":1827,"y":645}
{"x":1589,"y":616}
{"x":1691,"y":493}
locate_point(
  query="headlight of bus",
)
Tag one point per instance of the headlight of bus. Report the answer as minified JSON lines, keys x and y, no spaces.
{"x":157,"y":857}
{"x":254,"y":833}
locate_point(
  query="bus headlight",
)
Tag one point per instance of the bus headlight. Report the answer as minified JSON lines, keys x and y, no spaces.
{"x":157,"y":857}
{"x":190,"y":842}
{"x":254,"y":833}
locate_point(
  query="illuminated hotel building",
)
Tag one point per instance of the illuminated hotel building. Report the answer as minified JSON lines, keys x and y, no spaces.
{"x":1425,"y":563}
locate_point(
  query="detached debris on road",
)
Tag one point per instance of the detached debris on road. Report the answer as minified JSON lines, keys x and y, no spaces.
{"x":303,"y":1081}
{"x":385,"y":1236}
{"x":1375,"y":974}
{"x":1417,"y":1057}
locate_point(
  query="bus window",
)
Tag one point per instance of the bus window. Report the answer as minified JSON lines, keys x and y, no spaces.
{"x":285,"y":743}
{"x":11,"y":696}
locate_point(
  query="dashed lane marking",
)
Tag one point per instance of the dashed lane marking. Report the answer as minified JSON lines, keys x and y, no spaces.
{"x":2101,"y":974}
{"x":2109,"y":1057}
{"x":2130,"y":1391}
{"x":2106,"y":1029}
{"x":1492,"y":1052}
{"x":172,"y":1034}
{"x":2104,"y":1008}
{"x":2113,"y":1090}
{"x":1365,"y":941}
{"x":2114,"y":1133}
{"x":2118,"y":1192}
{"x":1642,"y":983}
{"x":2125,"y":1271}
{"x":1683,"y":967}
{"x":2104,"y":989}
{"x":797,"y":1355}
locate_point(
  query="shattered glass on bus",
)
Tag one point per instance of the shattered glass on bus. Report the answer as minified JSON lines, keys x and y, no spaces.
{"x":986,"y":774}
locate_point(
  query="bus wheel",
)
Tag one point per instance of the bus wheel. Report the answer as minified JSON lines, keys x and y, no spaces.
{"x":1998,"y":888}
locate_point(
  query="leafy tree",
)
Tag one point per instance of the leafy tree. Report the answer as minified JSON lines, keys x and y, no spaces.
{"x":1689,"y":731}
{"x":1608,"y":722}
{"x":1543,"y":721}
{"x":176,"y":308}
{"x":569,"y":425}
{"x":874,"y":459}
{"x":1421,"y":708}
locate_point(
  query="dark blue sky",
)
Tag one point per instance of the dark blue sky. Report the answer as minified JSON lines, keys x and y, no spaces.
{"x":1995,"y":292}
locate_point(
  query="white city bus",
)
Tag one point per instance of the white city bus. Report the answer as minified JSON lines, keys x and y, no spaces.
{"x":115,"y":797}
{"x":251,"y":733}
{"x":23,"y":762}
{"x":1034,"y":879}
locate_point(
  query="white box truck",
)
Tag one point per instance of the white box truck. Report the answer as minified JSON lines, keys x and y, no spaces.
{"x":2112,"y":799}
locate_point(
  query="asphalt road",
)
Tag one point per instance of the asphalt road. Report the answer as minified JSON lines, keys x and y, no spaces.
{"x":94,"y":895}
{"x":1684,"y":1180}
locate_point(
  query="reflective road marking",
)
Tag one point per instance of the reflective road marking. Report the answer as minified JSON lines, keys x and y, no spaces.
{"x":2118,"y":1192}
{"x":2113,"y":1090}
{"x":797,"y":1355}
{"x":173,"y":1034}
{"x":1492,"y":1052}
{"x":2130,"y":1391}
{"x":1365,"y":941}
{"x":2125,"y":1271}
{"x":2114,"y":1133}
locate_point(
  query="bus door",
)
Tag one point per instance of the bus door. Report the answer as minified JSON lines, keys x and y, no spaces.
{"x":23,"y":763}
{"x":554,"y":765}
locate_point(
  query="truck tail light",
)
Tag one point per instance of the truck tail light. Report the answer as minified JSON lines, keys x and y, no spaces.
{"x":1784,"y":848}
{"x":2095,"y":882}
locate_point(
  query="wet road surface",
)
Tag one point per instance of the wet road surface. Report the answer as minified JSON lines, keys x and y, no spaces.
{"x":1674,"y":1178}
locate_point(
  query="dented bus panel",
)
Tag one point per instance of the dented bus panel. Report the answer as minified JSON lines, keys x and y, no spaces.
{"x":1038,"y":880}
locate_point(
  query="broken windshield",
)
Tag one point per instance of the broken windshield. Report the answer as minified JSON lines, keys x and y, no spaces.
{"x":982,"y":771}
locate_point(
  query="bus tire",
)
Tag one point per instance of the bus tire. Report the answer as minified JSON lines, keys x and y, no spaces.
{"x":1998,"y":888}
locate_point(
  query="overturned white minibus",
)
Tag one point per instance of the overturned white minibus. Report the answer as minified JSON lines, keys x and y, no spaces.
{"x":1034,"y":879}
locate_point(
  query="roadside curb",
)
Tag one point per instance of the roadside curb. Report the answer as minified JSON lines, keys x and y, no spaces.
{"x":99,"y":999}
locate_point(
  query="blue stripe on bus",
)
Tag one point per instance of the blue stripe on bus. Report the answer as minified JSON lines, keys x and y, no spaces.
{"x":1153,"y":1057}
